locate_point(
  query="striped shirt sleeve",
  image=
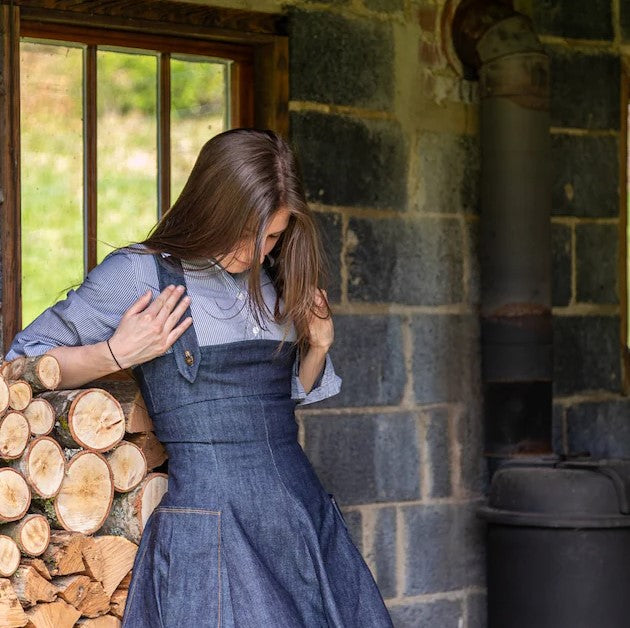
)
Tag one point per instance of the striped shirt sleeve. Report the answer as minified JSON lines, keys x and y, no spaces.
{"x":87,"y":315}
{"x":327,"y":385}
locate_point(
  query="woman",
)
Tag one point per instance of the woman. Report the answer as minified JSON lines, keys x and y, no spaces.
{"x":246,"y":535}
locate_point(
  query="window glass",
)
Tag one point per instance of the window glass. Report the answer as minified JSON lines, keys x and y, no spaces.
{"x":126,"y":148}
{"x":51,"y":164}
{"x":199,"y":111}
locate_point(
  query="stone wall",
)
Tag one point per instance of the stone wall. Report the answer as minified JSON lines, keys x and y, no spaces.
{"x":386,"y":132}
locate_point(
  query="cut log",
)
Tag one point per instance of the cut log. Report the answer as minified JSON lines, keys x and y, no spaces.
{"x":72,"y":588}
{"x":130,"y":511}
{"x":31,"y":588}
{"x":105,"y":621}
{"x":4,"y":394}
{"x":31,"y":533}
{"x":42,"y":372}
{"x":96,"y":601}
{"x":85,"y":497}
{"x":11,"y":610}
{"x":118,"y":601}
{"x":20,"y":394}
{"x":126,"y":581}
{"x":43,"y":465}
{"x":126,"y":391}
{"x":89,"y":418}
{"x":40,"y":416}
{"x":128,"y":466}
{"x":9,"y":556}
{"x":93,"y":559}
{"x":118,"y":556}
{"x":58,"y":614}
{"x":15,"y":496}
{"x":64,"y":554}
{"x":14,"y":434}
{"x":38,"y":564}
{"x":153,"y":450}
{"x":7,"y":368}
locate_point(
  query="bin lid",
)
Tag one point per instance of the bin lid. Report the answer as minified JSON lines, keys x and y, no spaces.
{"x":557,"y":491}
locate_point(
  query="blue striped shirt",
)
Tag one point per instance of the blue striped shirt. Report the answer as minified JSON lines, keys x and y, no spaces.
{"x":219,"y":308}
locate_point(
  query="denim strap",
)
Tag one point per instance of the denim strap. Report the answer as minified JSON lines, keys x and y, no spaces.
{"x":186,"y":347}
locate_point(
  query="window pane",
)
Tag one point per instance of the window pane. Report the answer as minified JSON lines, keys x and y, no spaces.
{"x":126,"y":148}
{"x":199,"y":111}
{"x":52,"y":173}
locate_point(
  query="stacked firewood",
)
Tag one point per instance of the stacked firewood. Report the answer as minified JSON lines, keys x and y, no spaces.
{"x":78,"y":479}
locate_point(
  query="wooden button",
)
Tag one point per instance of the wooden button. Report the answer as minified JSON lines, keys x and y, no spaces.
{"x":188,"y":356}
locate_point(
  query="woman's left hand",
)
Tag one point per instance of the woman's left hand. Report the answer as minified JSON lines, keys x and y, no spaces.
{"x":321,"y":330}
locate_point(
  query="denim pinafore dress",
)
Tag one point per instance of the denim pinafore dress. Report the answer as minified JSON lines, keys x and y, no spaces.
{"x":246,"y":535}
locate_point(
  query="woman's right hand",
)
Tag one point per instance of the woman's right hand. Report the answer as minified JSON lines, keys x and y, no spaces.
{"x":147,"y":332}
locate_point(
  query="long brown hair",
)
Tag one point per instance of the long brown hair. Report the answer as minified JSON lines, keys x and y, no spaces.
{"x":239,"y":180}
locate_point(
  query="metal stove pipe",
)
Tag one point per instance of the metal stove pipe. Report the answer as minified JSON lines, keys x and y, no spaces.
{"x":501,"y":47}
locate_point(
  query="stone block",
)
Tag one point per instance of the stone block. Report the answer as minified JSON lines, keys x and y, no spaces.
{"x":585,"y":89}
{"x":354,"y":521}
{"x":585,"y":175}
{"x":469,"y":427}
{"x":384,"y":6}
{"x":448,"y":172}
{"x":439,"y":451}
{"x":557,"y":429}
{"x":561,"y":264}
{"x":473,"y":284}
{"x":597,"y":263}
{"x":365,"y":458}
{"x":577,"y":19}
{"x":446,"y":547}
{"x":382,"y":554}
{"x":600,"y":428}
{"x":329,"y":224}
{"x":586,"y":353}
{"x":477,"y":610}
{"x":441,"y":613}
{"x":368,"y":356}
{"x":351,"y":162}
{"x":415,"y":262}
{"x":339,"y":60}
{"x":624,"y":20}
{"x":446,"y":357}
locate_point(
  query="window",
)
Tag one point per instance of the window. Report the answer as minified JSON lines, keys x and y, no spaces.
{"x":107,"y":115}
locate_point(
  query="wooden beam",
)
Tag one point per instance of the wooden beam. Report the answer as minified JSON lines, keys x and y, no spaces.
{"x":164,"y":134}
{"x":90,"y":174}
{"x":271,"y":86}
{"x":215,"y":21}
{"x":10,"y":173}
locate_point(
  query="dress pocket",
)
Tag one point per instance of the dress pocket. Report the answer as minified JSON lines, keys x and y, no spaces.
{"x":188,"y":566}
{"x":337,"y":509}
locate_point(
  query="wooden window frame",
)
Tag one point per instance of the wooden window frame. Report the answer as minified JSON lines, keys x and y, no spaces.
{"x":257,"y":42}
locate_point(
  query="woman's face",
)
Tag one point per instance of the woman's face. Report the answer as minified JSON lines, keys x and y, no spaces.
{"x":240,"y":259}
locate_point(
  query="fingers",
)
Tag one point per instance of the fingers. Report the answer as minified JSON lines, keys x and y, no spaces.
{"x":176,"y":314}
{"x":138,"y":305}
{"x":159,"y":301}
{"x":178,"y":331}
{"x":164,"y":314}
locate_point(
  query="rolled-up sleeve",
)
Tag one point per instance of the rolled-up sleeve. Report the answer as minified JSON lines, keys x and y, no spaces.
{"x":87,"y":315}
{"x":327,"y":384}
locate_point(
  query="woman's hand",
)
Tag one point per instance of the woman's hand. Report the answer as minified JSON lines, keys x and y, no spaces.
{"x":147,"y":332}
{"x":321,"y":332}
{"x":144,"y":332}
{"x":320,"y":324}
